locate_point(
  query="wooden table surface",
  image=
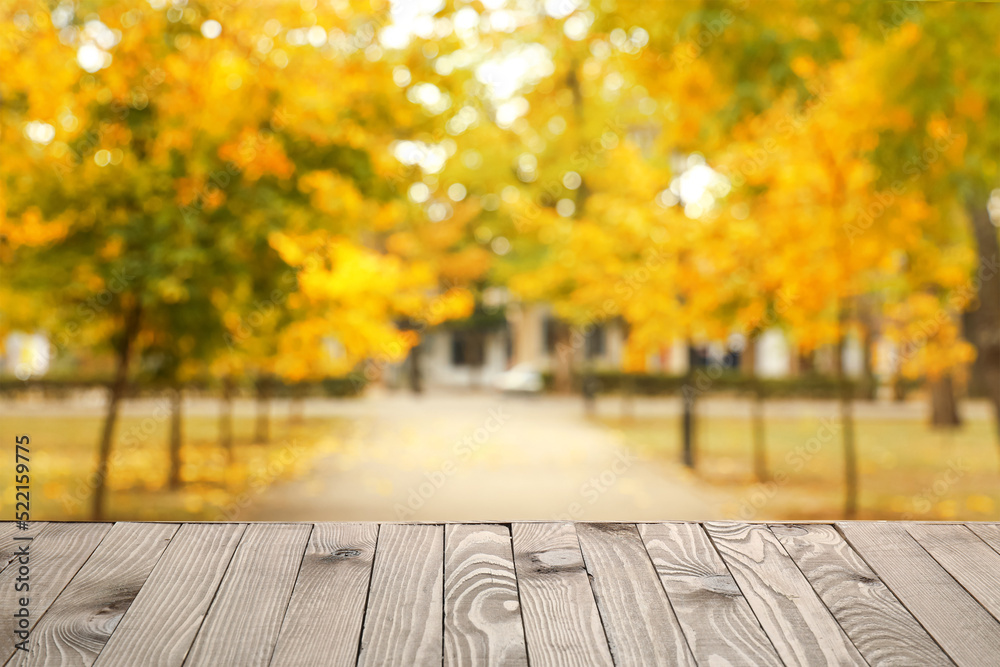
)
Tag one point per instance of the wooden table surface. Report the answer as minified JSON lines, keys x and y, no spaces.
{"x":216,"y":594}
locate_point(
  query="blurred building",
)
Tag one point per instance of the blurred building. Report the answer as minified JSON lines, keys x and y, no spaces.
{"x":464,"y":357}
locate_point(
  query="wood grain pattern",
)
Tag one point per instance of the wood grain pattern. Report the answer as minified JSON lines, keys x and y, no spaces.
{"x":324,"y":617}
{"x":80,"y":621}
{"x":987,"y":532}
{"x":966,"y":557}
{"x":11,"y":538}
{"x":160,"y":625}
{"x":966,"y":631}
{"x":59,"y":552}
{"x":799,"y":625}
{"x":539,"y":593}
{"x":404,"y":620}
{"x":640,"y":625}
{"x":717,"y":621}
{"x":561,"y":623}
{"x":880,"y":627}
{"x":242,"y":624}
{"x":482,"y":615}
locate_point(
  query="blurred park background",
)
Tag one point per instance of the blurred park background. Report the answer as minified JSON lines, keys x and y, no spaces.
{"x":501,"y":259}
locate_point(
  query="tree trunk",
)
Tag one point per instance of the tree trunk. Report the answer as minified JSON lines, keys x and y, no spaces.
{"x":124,"y":352}
{"x":176,"y":437}
{"x":562,"y":370}
{"x":748,"y":358}
{"x":476,"y":347}
{"x":850,"y":452}
{"x":226,"y":419}
{"x":847,"y":430}
{"x":898,"y":389}
{"x":262,"y":432}
{"x":689,"y":393}
{"x":416,"y":372}
{"x":944,"y":407}
{"x":687,"y":426}
{"x":987,"y":317}
{"x":869,"y":385}
{"x":807,"y":362}
{"x":748,"y":364}
{"x":760,"y":469}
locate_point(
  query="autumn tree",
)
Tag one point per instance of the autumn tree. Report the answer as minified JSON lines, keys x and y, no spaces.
{"x":945,"y":80}
{"x":170,"y":139}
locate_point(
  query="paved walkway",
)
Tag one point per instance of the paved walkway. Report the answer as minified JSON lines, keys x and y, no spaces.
{"x":481,"y":457}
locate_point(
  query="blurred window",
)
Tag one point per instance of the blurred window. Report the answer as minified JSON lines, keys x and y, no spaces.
{"x":467,"y":348}
{"x":596,"y":341}
{"x":549,"y":325}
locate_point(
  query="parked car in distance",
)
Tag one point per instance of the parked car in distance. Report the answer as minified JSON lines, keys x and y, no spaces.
{"x":521,"y":379}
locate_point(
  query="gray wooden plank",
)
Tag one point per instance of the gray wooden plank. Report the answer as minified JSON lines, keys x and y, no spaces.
{"x":55,"y":556}
{"x":482,"y":616}
{"x":640,"y":624}
{"x":561,"y":623}
{"x":799,"y":625}
{"x":405,"y":615}
{"x":717,"y":621}
{"x":11,"y":538}
{"x":323,"y":622}
{"x":243,"y":621}
{"x":967,"y":558}
{"x":987,"y":532}
{"x":78,"y":624}
{"x":160,"y":625}
{"x":880,"y":627}
{"x":966,"y":631}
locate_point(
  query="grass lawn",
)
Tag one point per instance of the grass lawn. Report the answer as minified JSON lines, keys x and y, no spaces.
{"x":906,"y":469}
{"x":63,"y":457}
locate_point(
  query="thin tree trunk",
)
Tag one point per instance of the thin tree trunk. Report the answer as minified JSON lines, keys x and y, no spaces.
{"x":847,"y":430}
{"x":416,"y":372}
{"x":987,"y":319}
{"x":850,"y":452}
{"x":944,"y":406}
{"x":226,"y":419}
{"x":476,"y":346}
{"x":867,"y":307}
{"x":687,"y":427}
{"x":760,"y":468}
{"x":118,"y":386}
{"x":562,"y":371}
{"x":262,"y":433}
{"x":689,"y":393}
{"x":748,"y":364}
{"x":807,"y":362}
{"x":898,"y":389}
{"x":869,"y":390}
{"x":176,"y":437}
